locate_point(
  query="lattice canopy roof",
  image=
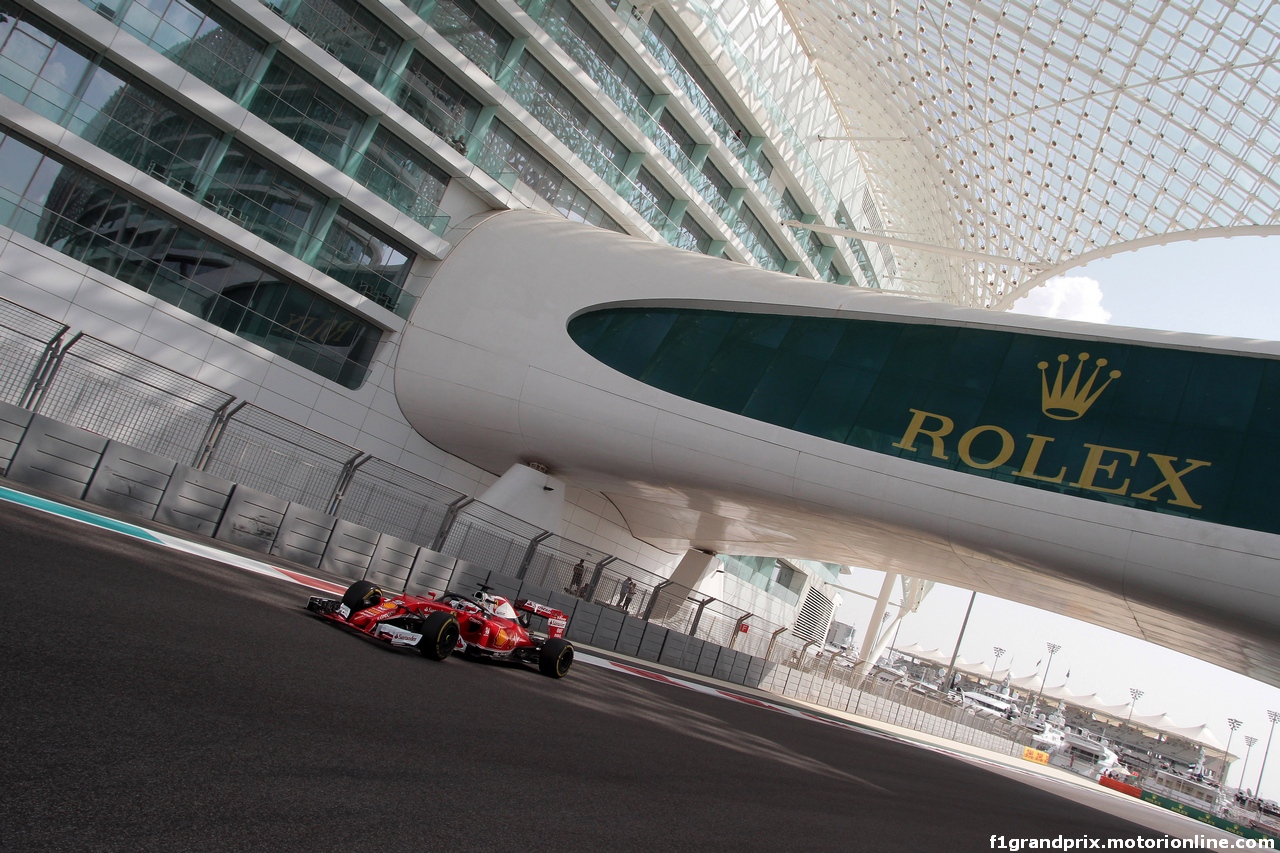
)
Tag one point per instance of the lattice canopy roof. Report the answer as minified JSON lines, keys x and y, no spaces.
{"x":1050,"y":132}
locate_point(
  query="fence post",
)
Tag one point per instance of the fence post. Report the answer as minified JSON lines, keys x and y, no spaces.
{"x":50,"y":348}
{"x":42,"y":377}
{"x":827,"y":672}
{"x":768,"y":655}
{"x":595,"y":577}
{"x":446,"y":523}
{"x":653,"y":599}
{"x":530,"y":551}
{"x":213,"y":433}
{"x":697,"y":616}
{"x":737,"y":629}
{"x":348,"y":473}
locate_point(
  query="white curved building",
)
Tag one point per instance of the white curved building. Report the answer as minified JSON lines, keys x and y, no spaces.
{"x":293,"y":201}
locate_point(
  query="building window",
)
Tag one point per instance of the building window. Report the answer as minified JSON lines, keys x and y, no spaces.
{"x":365,"y":260}
{"x":697,"y":235}
{"x":753,"y":233}
{"x":308,"y":112}
{"x":593,"y":53}
{"x":84,"y":217}
{"x":194,"y":34}
{"x":674,"y":129}
{"x":152,"y":133}
{"x":411,"y":183}
{"x":55,"y":76}
{"x":438,"y":103}
{"x":546,"y":180}
{"x":346,"y":31}
{"x":556,"y":109}
{"x":718,"y":181}
{"x":473,"y":31}
{"x":652,"y":200}
{"x":265,"y":199}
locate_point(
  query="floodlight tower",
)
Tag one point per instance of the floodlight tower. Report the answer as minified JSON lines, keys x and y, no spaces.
{"x":1249,"y":741}
{"x":1273,"y":717}
{"x":1053,"y":648}
{"x":999,"y":652}
{"x":1136,"y":694}
{"x":1226,"y":753}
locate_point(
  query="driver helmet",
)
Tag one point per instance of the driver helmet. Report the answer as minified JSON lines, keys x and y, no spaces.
{"x":486,"y":601}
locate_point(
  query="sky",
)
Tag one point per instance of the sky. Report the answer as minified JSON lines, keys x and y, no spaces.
{"x":1216,"y":287}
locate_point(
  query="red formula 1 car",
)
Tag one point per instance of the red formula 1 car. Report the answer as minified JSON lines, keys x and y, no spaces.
{"x":480,"y":625}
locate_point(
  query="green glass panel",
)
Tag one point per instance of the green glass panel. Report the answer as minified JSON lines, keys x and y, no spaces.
{"x":1181,"y":432}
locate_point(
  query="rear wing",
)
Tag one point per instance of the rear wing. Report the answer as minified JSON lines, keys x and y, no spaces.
{"x":556,"y":620}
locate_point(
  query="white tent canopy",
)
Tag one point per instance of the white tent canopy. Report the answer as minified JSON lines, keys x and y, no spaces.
{"x":1061,"y":693}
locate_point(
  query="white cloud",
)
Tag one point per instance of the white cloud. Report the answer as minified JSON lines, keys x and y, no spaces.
{"x":1066,"y":298}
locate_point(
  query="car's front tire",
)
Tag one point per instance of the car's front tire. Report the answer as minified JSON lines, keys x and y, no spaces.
{"x":439,"y":636}
{"x":555,"y":658}
{"x":361,"y":595}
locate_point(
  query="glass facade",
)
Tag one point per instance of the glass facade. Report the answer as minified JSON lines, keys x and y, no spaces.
{"x":660,"y":196}
{"x":472,"y":30}
{"x":536,"y":172}
{"x":672,"y":127}
{"x":1170,"y":431}
{"x":365,"y":260}
{"x":55,"y":76}
{"x":593,"y":53}
{"x":263,"y":198}
{"x":193,"y":34}
{"x":666,"y":47}
{"x":439,"y":104}
{"x":411,"y":183}
{"x":556,"y":109}
{"x":153,"y":132}
{"x":756,"y":237}
{"x":302,"y":108}
{"x":769,"y":574}
{"x":346,"y":31}
{"x":85,"y":218}
{"x":696,"y":234}
{"x":813,"y":246}
{"x":858,"y":249}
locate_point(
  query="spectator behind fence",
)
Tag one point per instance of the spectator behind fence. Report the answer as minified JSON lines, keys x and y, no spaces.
{"x":575,"y":584}
{"x":585,"y":592}
{"x":626,"y":590}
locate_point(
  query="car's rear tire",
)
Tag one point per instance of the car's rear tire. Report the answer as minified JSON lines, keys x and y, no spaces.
{"x":555,"y":658}
{"x":362,"y":595}
{"x":439,"y":635}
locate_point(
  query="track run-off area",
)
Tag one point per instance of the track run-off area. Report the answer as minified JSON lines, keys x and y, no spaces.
{"x":155,"y":700}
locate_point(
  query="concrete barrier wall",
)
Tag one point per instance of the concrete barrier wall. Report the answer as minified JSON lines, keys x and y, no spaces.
{"x":304,"y":535}
{"x":56,"y":457}
{"x":194,"y":501}
{"x":13,"y":425}
{"x":79,"y":464}
{"x":130,"y":480}
{"x":252,"y":519}
{"x":392,"y":558}
{"x":349,"y":553}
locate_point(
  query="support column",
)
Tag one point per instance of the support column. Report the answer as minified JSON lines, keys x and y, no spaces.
{"x":530,"y":495}
{"x":694,"y":567}
{"x":507,"y":68}
{"x":872,"y":638}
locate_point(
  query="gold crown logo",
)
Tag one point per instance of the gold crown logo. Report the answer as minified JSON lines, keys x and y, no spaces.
{"x":1071,"y":402}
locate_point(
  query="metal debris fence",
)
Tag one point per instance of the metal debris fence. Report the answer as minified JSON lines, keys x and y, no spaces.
{"x":96,"y":386}
{"x":819,"y":678}
{"x":275,"y":455}
{"x":106,"y":390}
{"x":24,"y":338}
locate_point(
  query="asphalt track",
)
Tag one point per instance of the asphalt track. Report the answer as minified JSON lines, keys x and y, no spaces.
{"x":154,"y":701}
